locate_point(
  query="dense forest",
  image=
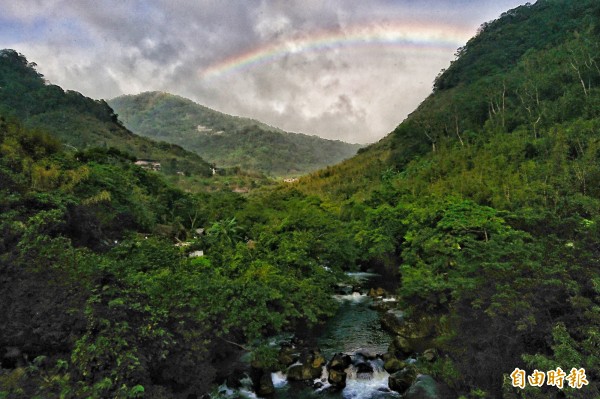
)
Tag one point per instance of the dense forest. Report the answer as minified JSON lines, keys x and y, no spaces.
{"x":99,"y":302}
{"x":488,"y":203}
{"x":483,"y":204}
{"x":225,"y":140}
{"x":78,"y":121}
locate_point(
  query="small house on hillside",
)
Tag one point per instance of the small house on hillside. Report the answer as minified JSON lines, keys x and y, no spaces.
{"x":291,"y":180}
{"x":148,"y":164}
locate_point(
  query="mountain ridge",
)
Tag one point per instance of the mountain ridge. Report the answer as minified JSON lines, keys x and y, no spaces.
{"x":483,"y":206}
{"x":226,"y":140}
{"x":79,"y":121}
{"x":485,"y":201}
{"x":472,"y":90}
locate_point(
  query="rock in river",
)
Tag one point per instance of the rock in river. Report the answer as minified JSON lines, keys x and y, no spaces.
{"x":364,"y":370}
{"x":424,"y":387}
{"x":401,"y":380}
{"x":339,"y":362}
{"x":287,"y":355}
{"x":310,"y":366}
{"x":393,"y":364}
{"x":337,"y":378}
{"x":392,"y":320}
{"x":265,"y":385}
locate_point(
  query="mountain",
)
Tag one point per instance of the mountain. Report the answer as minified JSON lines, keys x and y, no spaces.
{"x":485,"y":202}
{"x":78,"y":121}
{"x":481,"y":211}
{"x":226,"y":140}
{"x":516,"y":70}
{"x":115,"y":284}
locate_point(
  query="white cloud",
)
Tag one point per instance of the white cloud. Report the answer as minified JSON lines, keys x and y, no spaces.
{"x":326,"y":83}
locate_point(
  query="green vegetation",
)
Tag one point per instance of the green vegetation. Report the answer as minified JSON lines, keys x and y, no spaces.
{"x":99,"y":302}
{"x":488,"y":201}
{"x":80,"y":122}
{"x":485,"y":203}
{"x":226,"y":140}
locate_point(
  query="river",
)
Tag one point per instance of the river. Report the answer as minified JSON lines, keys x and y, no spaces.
{"x":355,"y":330}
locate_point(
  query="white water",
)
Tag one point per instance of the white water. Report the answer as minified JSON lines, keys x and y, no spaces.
{"x":246,"y":390}
{"x":355,"y":328}
{"x":354,"y":297}
{"x":367,"y":386}
{"x":358,"y":385}
{"x":279,"y":379}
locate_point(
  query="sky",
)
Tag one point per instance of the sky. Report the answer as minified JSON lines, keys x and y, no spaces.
{"x":348,"y":70}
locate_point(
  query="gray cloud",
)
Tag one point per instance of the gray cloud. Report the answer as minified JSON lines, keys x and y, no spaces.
{"x":351,"y":92}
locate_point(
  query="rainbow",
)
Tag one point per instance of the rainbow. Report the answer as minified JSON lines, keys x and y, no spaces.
{"x":406,"y":37}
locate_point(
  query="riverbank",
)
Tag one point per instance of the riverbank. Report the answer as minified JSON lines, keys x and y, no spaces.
{"x":352,"y":355}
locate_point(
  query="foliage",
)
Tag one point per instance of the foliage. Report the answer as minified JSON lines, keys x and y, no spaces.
{"x":486,"y":199}
{"x":485,"y":203}
{"x":227,"y":141}
{"x":119,"y":310}
{"x":80,"y":122}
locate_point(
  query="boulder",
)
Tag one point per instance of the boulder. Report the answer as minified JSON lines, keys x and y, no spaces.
{"x":393,"y":364}
{"x":424,"y":387}
{"x":393,"y":321}
{"x":375,"y":292}
{"x":364,"y":370}
{"x":287,"y":355}
{"x":339,"y":362}
{"x":423,"y":327}
{"x":400,"y":347}
{"x":365,"y":354}
{"x":315,"y":372}
{"x":430,"y":354}
{"x":265,"y":386}
{"x":364,"y":367}
{"x":401,"y":380}
{"x":317,"y":359}
{"x":337,"y":378}
{"x":310,"y":366}
{"x":295,"y":372}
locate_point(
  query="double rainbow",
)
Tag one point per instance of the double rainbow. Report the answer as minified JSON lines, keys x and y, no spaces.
{"x":414,"y":37}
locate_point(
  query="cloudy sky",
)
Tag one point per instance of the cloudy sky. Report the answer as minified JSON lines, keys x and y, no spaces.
{"x":341,"y":69}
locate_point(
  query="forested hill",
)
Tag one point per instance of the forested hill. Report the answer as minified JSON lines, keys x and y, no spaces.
{"x":227,"y":140}
{"x":486,"y":200}
{"x":531,"y":68}
{"x":78,"y":121}
{"x":483,"y":206}
{"x":98,"y":302}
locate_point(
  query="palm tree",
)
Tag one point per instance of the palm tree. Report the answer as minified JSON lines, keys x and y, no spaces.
{"x":226,"y":231}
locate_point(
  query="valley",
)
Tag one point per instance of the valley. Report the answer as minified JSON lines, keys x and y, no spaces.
{"x":150,"y":246}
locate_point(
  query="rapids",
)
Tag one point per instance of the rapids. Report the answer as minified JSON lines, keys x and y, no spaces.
{"x":355,"y":330}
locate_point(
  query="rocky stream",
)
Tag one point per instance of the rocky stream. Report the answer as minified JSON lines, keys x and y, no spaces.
{"x":356,"y":355}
